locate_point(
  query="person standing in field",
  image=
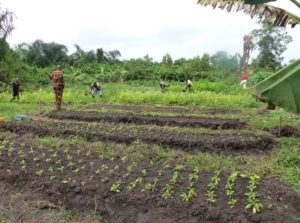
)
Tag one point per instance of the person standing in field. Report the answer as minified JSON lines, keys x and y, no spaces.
{"x":244,"y":80}
{"x":189,"y":84}
{"x":164,"y":86}
{"x":58,"y":83}
{"x":96,"y":87}
{"x":15,"y":90}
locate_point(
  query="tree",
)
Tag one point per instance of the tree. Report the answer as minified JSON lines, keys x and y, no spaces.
{"x":42,"y":54}
{"x":6,"y":22}
{"x":227,"y":64}
{"x":100,"y":54}
{"x":271,"y":43}
{"x":167,"y":59}
{"x":6,"y":26}
{"x":113,"y":56}
{"x":248,"y":47}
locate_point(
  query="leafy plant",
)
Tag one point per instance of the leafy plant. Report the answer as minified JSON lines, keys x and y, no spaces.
{"x":186,"y":196}
{"x":211,"y":194}
{"x":252,"y":200}
{"x":134,"y":183}
{"x":230,"y":188}
{"x":115,"y":186}
{"x":150,"y":186}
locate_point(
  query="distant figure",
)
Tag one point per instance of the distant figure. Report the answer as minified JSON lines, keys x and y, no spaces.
{"x":189,"y":84}
{"x":164,"y":86}
{"x":15,"y":90}
{"x":244,"y":80}
{"x":96,"y":87}
{"x":58,"y":83}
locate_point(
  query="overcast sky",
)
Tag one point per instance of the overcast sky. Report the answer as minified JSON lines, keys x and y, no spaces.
{"x":181,"y":28}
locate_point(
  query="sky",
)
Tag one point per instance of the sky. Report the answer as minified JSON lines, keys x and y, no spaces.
{"x":181,"y":28}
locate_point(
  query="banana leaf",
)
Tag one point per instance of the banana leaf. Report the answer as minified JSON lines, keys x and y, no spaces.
{"x":282,"y":88}
{"x":275,"y":15}
{"x":255,"y":2}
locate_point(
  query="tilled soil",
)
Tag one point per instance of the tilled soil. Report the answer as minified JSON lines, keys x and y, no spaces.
{"x":225,"y":142}
{"x":83,"y":180}
{"x":182,"y":121}
{"x":285,"y":131}
{"x":164,"y":109}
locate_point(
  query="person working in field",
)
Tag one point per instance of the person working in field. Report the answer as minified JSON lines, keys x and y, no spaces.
{"x":244,"y":80}
{"x":188,"y":86}
{"x":15,"y":90}
{"x":58,"y":83}
{"x":164,"y":86}
{"x":96,"y":88}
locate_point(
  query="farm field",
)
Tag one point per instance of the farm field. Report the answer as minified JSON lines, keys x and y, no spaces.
{"x":150,"y":162}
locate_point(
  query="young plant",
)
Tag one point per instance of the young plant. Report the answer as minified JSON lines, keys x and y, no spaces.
{"x":229,"y":188}
{"x":168,"y":190}
{"x":186,"y":196}
{"x":133,"y":184}
{"x":115,"y":186}
{"x":150,"y":186}
{"x":211,"y":193}
{"x":191,"y":191}
{"x":252,"y":200}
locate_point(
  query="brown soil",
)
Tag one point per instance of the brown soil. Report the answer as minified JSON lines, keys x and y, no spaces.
{"x":285,"y":131}
{"x":182,"y":121}
{"x":164,"y":109}
{"x":80,"y":187}
{"x":225,"y":142}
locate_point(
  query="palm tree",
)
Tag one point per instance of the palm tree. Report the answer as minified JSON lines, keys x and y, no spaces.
{"x":284,"y":80}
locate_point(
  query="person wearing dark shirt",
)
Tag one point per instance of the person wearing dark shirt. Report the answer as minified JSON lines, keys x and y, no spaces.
{"x":15,"y":90}
{"x":96,"y":87}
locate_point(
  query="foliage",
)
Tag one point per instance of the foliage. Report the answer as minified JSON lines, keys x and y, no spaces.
{"x":271,"y":43}
{"x":6,"y":23}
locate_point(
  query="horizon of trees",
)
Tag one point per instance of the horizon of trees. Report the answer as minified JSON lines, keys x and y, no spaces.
{"x":31,"y":62}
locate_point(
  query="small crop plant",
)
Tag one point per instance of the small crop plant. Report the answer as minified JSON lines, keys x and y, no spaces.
{"x":212,"y":186}
{"x":252,"y":200}
{"x":230,"y":188}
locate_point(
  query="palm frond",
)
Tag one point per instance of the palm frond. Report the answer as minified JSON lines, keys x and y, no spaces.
{"x":275,"y":15}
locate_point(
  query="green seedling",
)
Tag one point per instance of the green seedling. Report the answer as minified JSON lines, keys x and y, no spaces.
{"x":211,"y":196}
{"x":115,"y":186}
{"x":252,"y":200}
{"x":230,"y":188}
{"x":186,"y":196}
{"x":150,"y":186}
{"x":133,"y":184}
{"x":39,"y":172}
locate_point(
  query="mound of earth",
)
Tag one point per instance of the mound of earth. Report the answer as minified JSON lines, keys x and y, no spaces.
{"x":226,"y":142}
{"x":182,"y":121}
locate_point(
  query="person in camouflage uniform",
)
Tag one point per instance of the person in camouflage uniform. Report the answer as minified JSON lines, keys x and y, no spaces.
{"x":58,"y":83}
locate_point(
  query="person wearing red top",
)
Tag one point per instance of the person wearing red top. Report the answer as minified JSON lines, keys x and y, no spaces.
{"x":244,"y":80}
{"x":58,"y":83}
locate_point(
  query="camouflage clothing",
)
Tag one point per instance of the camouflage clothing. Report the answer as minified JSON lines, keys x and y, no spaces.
{"x":58,"y":83}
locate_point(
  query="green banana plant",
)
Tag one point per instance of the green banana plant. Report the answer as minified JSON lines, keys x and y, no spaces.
{"x":258,"y":8}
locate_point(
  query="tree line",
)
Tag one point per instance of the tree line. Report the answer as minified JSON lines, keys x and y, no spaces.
{"x":32,"y":62}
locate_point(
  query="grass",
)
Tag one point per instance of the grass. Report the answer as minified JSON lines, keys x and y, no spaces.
{"x":204,"y":94}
